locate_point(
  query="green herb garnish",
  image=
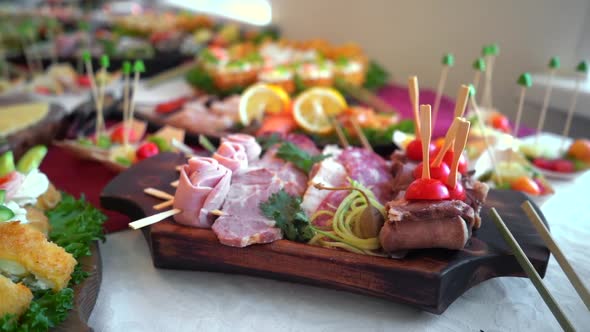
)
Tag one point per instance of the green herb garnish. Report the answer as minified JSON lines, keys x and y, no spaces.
{"x":288,"y":215}
{"x":75,"y":225}
{"x":267,"y":141}
{"x":376,"y":77}
{"x":300,"y":158}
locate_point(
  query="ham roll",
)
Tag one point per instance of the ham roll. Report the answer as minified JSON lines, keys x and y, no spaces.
{"x":252,"y":147}
{"x":232,"y":155}
{"x":202,"y":187}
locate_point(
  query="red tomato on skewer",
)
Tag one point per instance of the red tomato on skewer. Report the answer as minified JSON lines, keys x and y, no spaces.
{"x":448,"y":159}
{"x":440,"y":173}
{"x":83,"y":81}
{"x":146,"y":150}
{"x":427,"y":189}
{"x":414,"y":150}
{"x":118,"y":133}
{"x":458,"y":192}
{"x":500,"y":122}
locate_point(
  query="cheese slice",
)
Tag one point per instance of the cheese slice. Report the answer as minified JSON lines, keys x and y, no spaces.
{"x":16,"y":117}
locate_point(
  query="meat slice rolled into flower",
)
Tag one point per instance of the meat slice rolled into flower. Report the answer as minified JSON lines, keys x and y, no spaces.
{"x":202,"y":187}
{"x":232,"y":155}
{"x":252,"y":147}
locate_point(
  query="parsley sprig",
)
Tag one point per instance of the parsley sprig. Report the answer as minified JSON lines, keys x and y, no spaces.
{"x":286,"y":211}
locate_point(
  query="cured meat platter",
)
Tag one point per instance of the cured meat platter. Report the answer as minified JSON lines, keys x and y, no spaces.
{"x":427,"y":279}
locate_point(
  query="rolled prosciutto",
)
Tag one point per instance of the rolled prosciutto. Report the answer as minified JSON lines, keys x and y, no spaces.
{"x":232,"y":155}
{"x":202,"y":187}
{"x":252,"y":147}
{"x":426,"y":224}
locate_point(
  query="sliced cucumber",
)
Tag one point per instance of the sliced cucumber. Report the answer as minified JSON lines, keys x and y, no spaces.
{"x":32,"y":159}
{"x":5,"y":213}
{"x":104,"y":142}
{"x":6,"y":163}
{"x":2,"y":196}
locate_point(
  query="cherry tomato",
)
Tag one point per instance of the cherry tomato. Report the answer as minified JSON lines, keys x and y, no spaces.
{"x":83,"y":81}
{"x":117,"y":135}
{"x":527,"y":185}
{"x":563,"y":166}
{"x":414,"y":150}
{"x":146,"y":150}
{"x":580,"y":149}
{"x":427,"y":189}
{"x":500,"y":122}
{"x":544,"y":163}
{"x":448,"y":159}
{"x":458,"y":192}
{"x":440,"y":173}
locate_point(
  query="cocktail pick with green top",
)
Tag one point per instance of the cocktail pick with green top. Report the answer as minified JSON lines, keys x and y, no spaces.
{"x":138,"y":68}
{"x":126,"y":74}
{"x":448,"y":61}
{"x":582,"y":70}
{"x":489,"y":52}
{"x":480,"y":66}
{"x":553,"y":65}
{"x":86,"y":57}
{"x":525,"y":81}
{"x":105,"y":62}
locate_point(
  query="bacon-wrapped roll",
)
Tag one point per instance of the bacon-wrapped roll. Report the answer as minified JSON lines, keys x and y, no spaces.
{"x":252,"y":147}
{"x":232,"y":155}
{"x":202,"y":187}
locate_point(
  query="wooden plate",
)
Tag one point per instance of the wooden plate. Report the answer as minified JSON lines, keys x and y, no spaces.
{"x":428,"y":279}
{"x":86,"y":294}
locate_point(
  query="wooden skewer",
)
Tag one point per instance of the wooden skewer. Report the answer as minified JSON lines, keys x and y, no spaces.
{"x":543,"y":114}
{"x":485,"y":137}
{"x":153,"y":219}
{"x":339,"y":132}
{"x":460,"y":104}
{"x":449,"y":139}
{"x":531,"y":272}
{"x":557,"y":253}
{"x":486,"y":99}
{"x":158,"y":193}
{"x":439,"y":91}
{"x":570,"y":113}
{"x":415,"y":100}
{"x":126,"y":122}
{"x":462,"y":132}
{"x":519,"y":112}
{"x":217,"y":212}
{"x":476,"y":79}
{"x":163,"y":205}
{"x":361,"y":134}
{"x":426,"y":133}
{"x":174,"y":183}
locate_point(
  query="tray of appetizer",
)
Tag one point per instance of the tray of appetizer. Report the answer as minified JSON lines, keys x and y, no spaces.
{"x":340,"y":217}
{"x":50,"y":267}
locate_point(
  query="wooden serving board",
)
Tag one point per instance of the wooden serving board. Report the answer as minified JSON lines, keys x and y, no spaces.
{"x":428,"y":279}
{"x":85,"y":294}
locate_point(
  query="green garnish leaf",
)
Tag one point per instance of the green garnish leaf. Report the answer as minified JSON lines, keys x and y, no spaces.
{"x":376,"y":77}
{"x":525,"y":80}
{"x":288,"y":215}
{"x":163,"y":145}
{"x":554,"y":63}
{"x":448,"y":60}
{"x":300,"y":158}
{"x":267,"y":141}
{"x":123,"y":161}
{"x":75,"y":225}
{"x":104,"y":142}
{"x":479,"y":64}
{"x":299,"y":85}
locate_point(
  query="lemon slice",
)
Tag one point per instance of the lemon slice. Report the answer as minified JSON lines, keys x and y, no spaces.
{"x":313,"y":108}
{"x":261,"y":98}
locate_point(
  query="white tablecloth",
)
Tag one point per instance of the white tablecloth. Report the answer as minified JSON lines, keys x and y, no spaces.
{"x":135,"y":296}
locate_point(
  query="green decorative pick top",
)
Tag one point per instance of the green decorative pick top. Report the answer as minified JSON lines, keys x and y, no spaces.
{"x":472,"y":90}
{"x":104,"y":61}
{"x":554,"y":63}
{"x":126,"y":67}
{"x":138,"y":66}
{"x":86,"y":56}
{"x":491,"y":49}
{"x":479,"y":64}
{"x":582,"y":67}
{"x":525,"y":80}
{"x":448,"y":60}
